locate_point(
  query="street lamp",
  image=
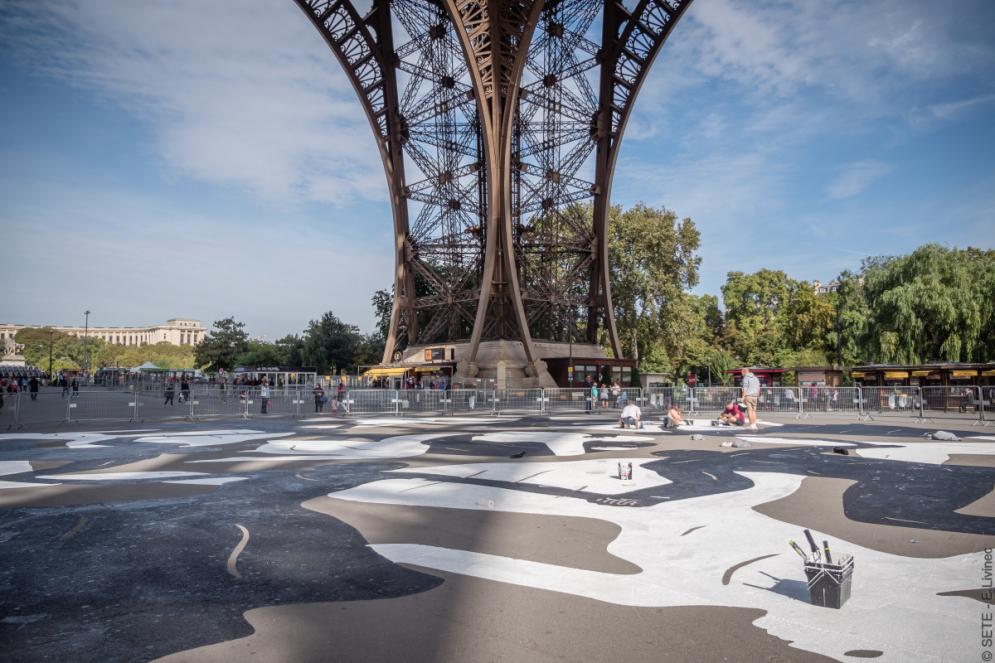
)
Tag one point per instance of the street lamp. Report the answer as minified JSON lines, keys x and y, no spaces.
{"x":86,"y":349}
{"x":570,"y":365}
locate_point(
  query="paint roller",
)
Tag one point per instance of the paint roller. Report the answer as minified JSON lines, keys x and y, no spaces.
{"x":816,"y":555}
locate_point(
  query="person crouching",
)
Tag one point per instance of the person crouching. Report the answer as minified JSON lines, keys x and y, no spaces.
{"x":630,"y":417}
{"x":733,"y":414}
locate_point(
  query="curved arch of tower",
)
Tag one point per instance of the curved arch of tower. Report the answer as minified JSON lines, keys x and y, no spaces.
{"x":499,"y":125}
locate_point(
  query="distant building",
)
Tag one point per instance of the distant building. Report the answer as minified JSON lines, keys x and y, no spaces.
{"x":820,"y":289}
{"x":175,"y":331}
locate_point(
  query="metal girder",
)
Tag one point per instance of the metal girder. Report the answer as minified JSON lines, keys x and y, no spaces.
{"x":508,"y":117}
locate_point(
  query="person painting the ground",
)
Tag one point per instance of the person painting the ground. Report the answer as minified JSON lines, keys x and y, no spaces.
{"x":674,"y":417}
{"x":750,"y":395}
{"x":733,"y":415}
{"x":631,"y":415}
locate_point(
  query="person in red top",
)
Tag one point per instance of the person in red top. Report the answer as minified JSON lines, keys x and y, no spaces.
{"x":733,"y":414}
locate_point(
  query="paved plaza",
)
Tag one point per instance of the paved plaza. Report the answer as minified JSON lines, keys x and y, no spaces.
{"x":484,"y":538}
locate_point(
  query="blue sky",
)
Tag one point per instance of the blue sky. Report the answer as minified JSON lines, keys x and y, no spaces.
{"x":179,"y":158}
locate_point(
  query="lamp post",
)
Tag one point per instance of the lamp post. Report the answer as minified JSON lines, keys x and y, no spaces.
{"x":570,"y":365}
{"x":51,"y":332}
{"x":86,"y":349}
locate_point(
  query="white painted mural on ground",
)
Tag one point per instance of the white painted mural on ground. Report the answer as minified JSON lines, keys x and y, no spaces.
{"x":9,"y":467}
{"x":933,"y":453}
{"x":588,"y":476}
{"x":683,"y":570}
{"x":561,"y":444}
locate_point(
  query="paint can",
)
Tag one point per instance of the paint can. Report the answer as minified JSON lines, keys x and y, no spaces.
{"x":829,"y":584}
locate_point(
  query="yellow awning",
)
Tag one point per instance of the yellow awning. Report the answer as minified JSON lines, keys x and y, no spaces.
{"x":428,"y":369}
{"x":988,"y":373}
{"x":379,"y":372}
{"x":896,"y":375}
{"x":963,"y":374}
{"x":856,"y":374}
{"x":920,"y":374}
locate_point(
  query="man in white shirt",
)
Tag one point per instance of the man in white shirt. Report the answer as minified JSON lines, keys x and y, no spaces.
{"x":631,"y":414}
{"x":750,"y":395}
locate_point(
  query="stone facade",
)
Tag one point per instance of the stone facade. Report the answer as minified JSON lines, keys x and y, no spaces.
{"x":175,"y":331}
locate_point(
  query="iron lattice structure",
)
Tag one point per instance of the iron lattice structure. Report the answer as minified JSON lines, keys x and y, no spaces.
{"x":499,"y":125}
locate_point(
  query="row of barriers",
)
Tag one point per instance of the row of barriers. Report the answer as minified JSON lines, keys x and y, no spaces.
{"x":921,"y":403}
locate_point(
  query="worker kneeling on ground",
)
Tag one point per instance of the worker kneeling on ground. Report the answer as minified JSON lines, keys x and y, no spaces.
{"x":733,"y":415}
{"x":630,"y":417}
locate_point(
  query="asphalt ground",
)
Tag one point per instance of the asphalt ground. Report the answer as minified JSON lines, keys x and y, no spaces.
{"x":433,"y":540}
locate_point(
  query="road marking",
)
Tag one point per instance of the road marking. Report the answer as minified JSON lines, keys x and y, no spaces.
{"x":688,"y":531}
{"x":708,"y":474}
{"x":300,"y":476}
{"x":233,"y":558}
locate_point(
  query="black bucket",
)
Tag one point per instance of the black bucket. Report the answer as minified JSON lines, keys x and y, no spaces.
{"x":829,"y":584}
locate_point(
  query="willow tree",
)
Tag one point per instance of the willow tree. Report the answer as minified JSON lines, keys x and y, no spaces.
{"x":934,"y":304}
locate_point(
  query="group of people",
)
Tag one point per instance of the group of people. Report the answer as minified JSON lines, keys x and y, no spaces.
{"x":170,"y":391}
{"x":604,"y":393}
{"x":338,"y":402}
{"x":736,"y":413}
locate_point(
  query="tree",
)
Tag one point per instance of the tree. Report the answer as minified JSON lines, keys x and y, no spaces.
{"x":291,"y":348}
{"x":383,"y":304}
{"x":933,"y":304}
{"x":331,"y":345}
{"x":222,"y":345}
{"x":851,"y":312}
{"x":260,"y":353}
{"x":653,"y":263}
{"x":755,"y":320}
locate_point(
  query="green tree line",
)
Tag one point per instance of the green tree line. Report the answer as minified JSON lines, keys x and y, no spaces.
{"x":934,"y":304}
{"x":68,"y":352}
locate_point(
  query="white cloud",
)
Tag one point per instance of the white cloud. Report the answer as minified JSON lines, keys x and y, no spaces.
{"x":854,"y":178}
{"x":136,"y":259}
{"x":247,"y":97}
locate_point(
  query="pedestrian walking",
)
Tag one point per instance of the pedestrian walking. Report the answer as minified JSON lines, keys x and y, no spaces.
{"x":184,"y":390}
{"x":170,"y":393}
{"x":319,"y":397}
{"x":75,"y":388}
{"x":603,"y":392}
{"x":750,"y":395}
{"x":33,"y":388}
{"x":64,"y":383}
{"x":592,"y":398}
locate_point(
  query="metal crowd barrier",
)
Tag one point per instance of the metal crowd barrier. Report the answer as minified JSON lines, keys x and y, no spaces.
{"x":920,"y":403}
